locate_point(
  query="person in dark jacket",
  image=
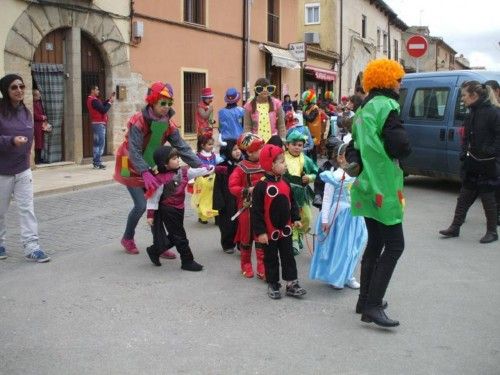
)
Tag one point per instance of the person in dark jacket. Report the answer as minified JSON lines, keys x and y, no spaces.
{"x":16,"y":180}
{"x":377,"y":193}
{"x":481,"y":159}
{"x":223,"y":200}
{"x":98,"y":110}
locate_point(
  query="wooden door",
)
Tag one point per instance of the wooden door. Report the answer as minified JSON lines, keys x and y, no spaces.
{"x":93,"y":73}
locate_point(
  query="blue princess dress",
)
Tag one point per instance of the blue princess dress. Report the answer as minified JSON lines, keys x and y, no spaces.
{"x":336,"y":254}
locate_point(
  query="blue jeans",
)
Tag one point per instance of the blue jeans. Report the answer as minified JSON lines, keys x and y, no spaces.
{"x":137,"y":194}
{"x":99,"y":131}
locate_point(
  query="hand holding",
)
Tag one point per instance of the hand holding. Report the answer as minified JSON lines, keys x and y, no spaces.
{"x":305,"y":179}
{"x":325,"y":228}
{"x":20,"y":140}
{"x":262,"y":238}
{"x":150,"y":221}
{"x":150,"y":181}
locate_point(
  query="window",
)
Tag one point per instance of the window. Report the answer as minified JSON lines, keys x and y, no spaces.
{"x":193,"y":83}
{"x":273,"y":21}
{"x":429,"y":103}
{"x":312,"y":14}
{"x":461,"y":110}
{"x":379,"y":42}
{"x":194,"y":11}
{"x":396,"y":50}
{"x":363,"y":26}
{"x":402,"y":97}
{"x":384,"y":43}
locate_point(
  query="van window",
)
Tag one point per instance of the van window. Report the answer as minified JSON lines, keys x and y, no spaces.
{"x":460,"y":109}
{"x":429,"y":103}
{"x":402,"y":97}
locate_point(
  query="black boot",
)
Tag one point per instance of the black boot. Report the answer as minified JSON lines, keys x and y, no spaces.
{"x":465,"y":199}
{"x":191,"y":265}
{"x":376,"y":314}
{"x":154,"y":255}
{"x":490,"y":210}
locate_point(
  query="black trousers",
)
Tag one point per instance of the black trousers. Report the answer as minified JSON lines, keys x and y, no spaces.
{"x":385,"y":245}
{"x":227,"y":229}
{"x":283,"y":247}
{"x":171,"y":219}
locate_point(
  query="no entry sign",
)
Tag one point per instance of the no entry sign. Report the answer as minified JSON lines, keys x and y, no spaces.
{"x":416,"y":46}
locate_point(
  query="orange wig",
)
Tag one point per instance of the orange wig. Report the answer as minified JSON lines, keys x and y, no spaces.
{"x":382,"y":74}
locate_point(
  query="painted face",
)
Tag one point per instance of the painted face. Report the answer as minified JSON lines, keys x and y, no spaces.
{"x":468,"y":99}
{"x":162,"y":106}
{"x":295,"y":148}
{"x":236,"y":153}
{"x":209,"y":146}
{"x":16,"y":91}
{"x":173,"y":163}
{"x":279,"y":165}
{"x":254,"y":156}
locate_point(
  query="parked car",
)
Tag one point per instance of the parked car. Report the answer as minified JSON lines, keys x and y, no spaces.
{"x":433,"y":113}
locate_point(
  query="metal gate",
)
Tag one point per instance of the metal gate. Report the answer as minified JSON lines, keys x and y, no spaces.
{"x":193,"y":83}
{"x":93,"y":74}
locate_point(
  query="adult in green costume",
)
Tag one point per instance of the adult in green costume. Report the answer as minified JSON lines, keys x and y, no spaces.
{"x":377,"y":194}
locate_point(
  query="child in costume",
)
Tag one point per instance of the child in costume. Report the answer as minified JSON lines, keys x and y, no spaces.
{"x":341,"y":237}
{"x":241,"y":185}
{"x":298,"y":124}
{"x":205,"y":113}
{"x":301,"y":172}
{"x":202,"y":198}
{"x":165,"y":207}
{"x":230,"y":117}
{"x":223,"y":201}
{"x":274,"y":212}
{"x":315,"y":120}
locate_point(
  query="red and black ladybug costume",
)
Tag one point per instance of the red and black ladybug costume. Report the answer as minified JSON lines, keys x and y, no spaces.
{"x":273,"y":212}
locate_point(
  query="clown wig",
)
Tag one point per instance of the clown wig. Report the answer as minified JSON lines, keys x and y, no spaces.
{"x":382,"y":74}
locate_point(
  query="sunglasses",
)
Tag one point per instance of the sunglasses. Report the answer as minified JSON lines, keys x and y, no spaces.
{"x":269,"y":88}
{"x":167,"y":102}
{"x":17,"y":87}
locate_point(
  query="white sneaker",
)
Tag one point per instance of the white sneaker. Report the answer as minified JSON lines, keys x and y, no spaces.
{"x":353,"y":284}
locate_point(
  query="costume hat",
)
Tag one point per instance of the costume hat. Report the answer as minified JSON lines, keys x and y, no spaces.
{"x":232,"y":96}
{"x":157,"y":90}
{"x":206,"y":93}
{"x":250,"y":142}
{"x":295,"y":135}
{"x":309,"y":96}
{"x":268,"y":156}
{"x":382,"y":74}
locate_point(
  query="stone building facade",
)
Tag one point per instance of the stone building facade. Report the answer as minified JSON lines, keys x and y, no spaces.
{"x":67,"y":42}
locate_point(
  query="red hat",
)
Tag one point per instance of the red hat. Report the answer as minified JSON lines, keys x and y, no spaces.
{"x":158,"y":89}
{"x":268,"y":155}
{"x":250,"y":142}
{"x":344,"y":98}
{"x":206,"y":93}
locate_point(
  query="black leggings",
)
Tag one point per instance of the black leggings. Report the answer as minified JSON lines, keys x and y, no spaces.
{"x":283,"y":247}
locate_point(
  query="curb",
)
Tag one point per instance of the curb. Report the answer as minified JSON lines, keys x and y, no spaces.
{"x":71,"y":188}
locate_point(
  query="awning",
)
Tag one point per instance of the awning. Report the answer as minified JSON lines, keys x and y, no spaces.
{"x":322,"y":74}
{"x":282,"y":57}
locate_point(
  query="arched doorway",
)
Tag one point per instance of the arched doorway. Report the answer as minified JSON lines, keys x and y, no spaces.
{"x":93,"y":73}
{"x":47,"y":72}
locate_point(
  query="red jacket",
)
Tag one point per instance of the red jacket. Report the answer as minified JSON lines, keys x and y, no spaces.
{"x":95,"y":115}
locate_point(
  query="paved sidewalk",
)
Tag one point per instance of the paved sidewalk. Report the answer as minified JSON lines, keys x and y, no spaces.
{"x":63,"y":177}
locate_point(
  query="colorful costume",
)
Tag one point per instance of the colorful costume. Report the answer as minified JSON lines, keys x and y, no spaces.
{"x":231,"y":117}
{"x":377,"y":193}
{"x":265,"y":122}
{"x":336,"y":253}
{"x":203,"y":188}
{"x":314,"y":120}
{"x":205,"y":114}
{"x":244,"y":177}
{"x":299,"y":166}
{"x":273,"y":211}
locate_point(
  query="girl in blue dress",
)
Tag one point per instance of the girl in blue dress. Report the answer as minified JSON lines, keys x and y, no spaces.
{"x":341,"y":237}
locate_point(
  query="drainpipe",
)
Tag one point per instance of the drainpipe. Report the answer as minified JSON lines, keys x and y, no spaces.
{"x":341,"y":47}
{"x":246,"y":48}
{"x":388,"y":37}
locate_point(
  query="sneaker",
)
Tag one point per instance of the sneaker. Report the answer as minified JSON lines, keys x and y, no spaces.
{"x":129,"y":246}
{"x":295,"y":290}
{"x":168,"y":254}
{"x":229,"y":251}
{"x":273,"y":290}
{"x":3,"y":254}
{"x":37,"y":256}
{"x":99,"y":166}
{"x":352,"y":283}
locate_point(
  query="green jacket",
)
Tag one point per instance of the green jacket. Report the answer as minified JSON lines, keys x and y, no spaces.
{"x":378,"y":191}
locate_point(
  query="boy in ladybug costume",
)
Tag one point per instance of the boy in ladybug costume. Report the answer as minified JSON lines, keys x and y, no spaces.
{"x":273,"y":211}
{"x":241,"y":185}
